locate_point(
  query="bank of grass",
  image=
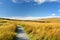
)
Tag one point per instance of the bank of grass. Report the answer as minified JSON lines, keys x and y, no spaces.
{"x":8,"y":31}
{"x":35,"y":30}
{"x":42,"y":31}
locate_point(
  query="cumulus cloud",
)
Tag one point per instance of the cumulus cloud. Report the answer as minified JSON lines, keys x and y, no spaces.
{"x":21,"y":1}
{"x":40,"y":1}
{"x":37,"y":1}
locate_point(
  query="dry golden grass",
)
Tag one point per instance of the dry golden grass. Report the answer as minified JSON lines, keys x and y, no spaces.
{"x":35,"y":30}
{"x":7,"y":31}
{"x":42,"y":31}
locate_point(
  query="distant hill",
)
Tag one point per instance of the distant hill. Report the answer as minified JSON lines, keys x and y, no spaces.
{"x":44,"y":20}
{"x":49,"y":20}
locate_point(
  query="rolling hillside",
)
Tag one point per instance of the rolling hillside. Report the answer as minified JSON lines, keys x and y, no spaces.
{"x":50,"y":20}
{"x":41,"y":29}
{"x":45,"y":20}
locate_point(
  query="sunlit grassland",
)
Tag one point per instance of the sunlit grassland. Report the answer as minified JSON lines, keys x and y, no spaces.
{"x":7,"y":30}
{"x":42,"y":31}
{"x":36,"y":30}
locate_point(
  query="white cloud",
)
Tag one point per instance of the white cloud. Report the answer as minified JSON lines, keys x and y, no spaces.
{"x":23,"y":18}
{"x":37,"y":1}
{"x":58,"y":10}
{"x":53,"y":14}
{"x":32,"y":18}
{"x":21,"y":1}
{"x":40,"y":1}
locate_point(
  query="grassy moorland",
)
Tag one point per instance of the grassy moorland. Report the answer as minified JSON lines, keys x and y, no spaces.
{"x":44,"y":29}
{"x":7,"y":30}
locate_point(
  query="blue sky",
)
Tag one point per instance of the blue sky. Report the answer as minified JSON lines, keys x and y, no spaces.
{"x":29,"y":8}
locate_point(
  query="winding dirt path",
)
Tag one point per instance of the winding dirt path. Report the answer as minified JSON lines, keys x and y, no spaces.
{"x":21,"y":34}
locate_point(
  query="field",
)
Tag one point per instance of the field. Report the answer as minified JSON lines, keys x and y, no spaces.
{"x":36,"y":30}
{"x":42,"y":31}
{"x":7,"y":30}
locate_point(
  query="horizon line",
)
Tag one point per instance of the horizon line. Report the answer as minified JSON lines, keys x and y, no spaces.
{"x":30,"y":18}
